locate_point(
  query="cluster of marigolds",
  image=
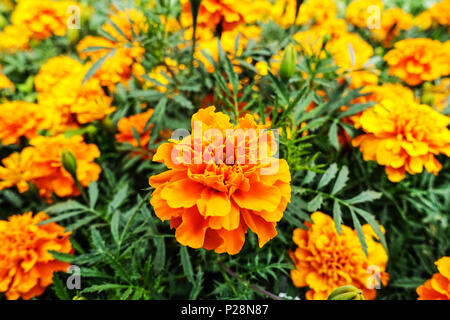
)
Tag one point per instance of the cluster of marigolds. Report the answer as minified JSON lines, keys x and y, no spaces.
{"x":212,"y":204}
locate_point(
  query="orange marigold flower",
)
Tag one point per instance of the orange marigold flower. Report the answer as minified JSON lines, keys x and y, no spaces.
{"x":326,"y":260}
{"x":125,"y":20}
{"x":438,"y":287}
{"x":19,"y":119}
{"x":212,"y":198}
{"x":26,"y":265}
{"x":16,"y":170}
{"x":417,"y":60}
{"x":117,"y":68}
{"x":212,"y":12}
{"x":311,"y":11}
{"x":48,"y":173}
{"x":60,"y":86}
{"x":42,"y":19}
{"x":359,"y":12}
{"x":392,"y":21}
{"x":404,"y":137}
{"x":5,"y":83}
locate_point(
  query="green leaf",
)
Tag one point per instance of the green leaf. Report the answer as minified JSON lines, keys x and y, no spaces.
{"x":115,"y":226}
{"x":65,"y":206}
{"x":118,"y":199}
{"x":359,"y":232}
{"x":59,"y":288}
{"x":328,"y":176}
{"x":93,"y":194}
{"x":160,"y":257}
{"x":186,"y":264}
{"x":64,"y":257}
{"x":198,"y":285}
{"x":96,"y":66}
{"x":333,"y":136}
{"x":341,"y":180}
{"x":315,"y":203}
{"x":365,"y":196}
{"x":373,"y":223}
{"x":103,"y":287}
{"x":337,"y":216}
{"x":97,"y":240}
{"x":61,"y":217}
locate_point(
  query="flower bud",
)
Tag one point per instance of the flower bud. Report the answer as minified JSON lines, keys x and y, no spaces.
{"x":288,"y":62}
{"x":346,"y":293}
{"x":3,"y":21}
{"x":69,"y":162}
{"x":73,"y":35}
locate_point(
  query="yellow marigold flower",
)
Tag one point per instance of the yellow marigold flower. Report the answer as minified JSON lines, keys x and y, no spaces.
{"x":26,"y":265}
{"x":311,"y":11}
{"x":42,"y":19}
{"x":118,"y":68}
{"x":423,"y":20}
{"x":440,"y":13}
{"x":359,"y":12}
{"x":48,"y":173}
{"x":16,"y":170}
{"x":5,"y":83}
{"x":138,"y":122}
{"x":59,"y":85}
{"x":325,"y":260}
{"x":14,"y":38}
{"x":216,"y":188}
{"x":230,"y":13}
{"x":392,"y":22}
{"x":417,"y":60}
{"x":19,"y":119}
{"x":404,"y":137}
{"x":438,"y":287}
{"x":125,"y":20}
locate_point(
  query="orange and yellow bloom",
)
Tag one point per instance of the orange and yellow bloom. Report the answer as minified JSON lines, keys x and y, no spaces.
{"x":325,"y":260}
{"x":212,"y":203}
{"x":438,"y":287}
{"x":404,"y":137}
{"x":26,"y":265}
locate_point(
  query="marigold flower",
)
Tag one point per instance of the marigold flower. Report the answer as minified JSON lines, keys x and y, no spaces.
{"x":19,"y":119}
{"x":358,"y":12}
{"x":16,"y":170}
{"x":392,"y":22}
{"x":126,"y":20}
{"x":60,"y":86}
{"x":437,"y":14}
{"x":26,"y":265}
{"x":325,"y":260}
{"x":117,"y":68}
{"x":438,"y":287}
{"x":211,"y":201}
{"x":311,"y":11}
{"x":48,"y":173}
{"x":230,"y":13}
{"x":404,"y":137}
{"x":138,"y":123}
{"x":417,"y":60}
{"x":5,"y":83}
{"x":42,"y":19}
{"x":13,"y":38}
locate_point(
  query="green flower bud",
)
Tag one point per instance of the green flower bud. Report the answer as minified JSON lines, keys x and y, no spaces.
{"x":73,"y":35}
{"x":346,"y":293}
{"x":288,"y":62}
{"x":69,"y":162}
{"x":108,"y":124}
{"x":3,"y":21}
{"x":379,"y":51}
{"x":428,"y":98}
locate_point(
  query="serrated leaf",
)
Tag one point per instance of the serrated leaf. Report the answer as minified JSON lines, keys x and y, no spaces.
{"x":328,"y":176}
{"x":103,"y":287}
{"x":118,"y":199}
{"x":61,"y":217}
{"x":160,"y":257}
{"x":365,"y":196}
{"x":333,"y":135}
{"x":341,"y":180}
{"x":93,"y":194}
{"x":115,"y":221}
{"x":186,"y":264}
{"x":97,"y":65}
{"x":65,"y":206}
{"x":59,"y":288}
{"x":359,"y":232}
{"x":337,"y":216}
{"x":315,"y":203}
{"x":64,"y":257}
{"x":375,"y":226}
{"x":97,"y":240}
